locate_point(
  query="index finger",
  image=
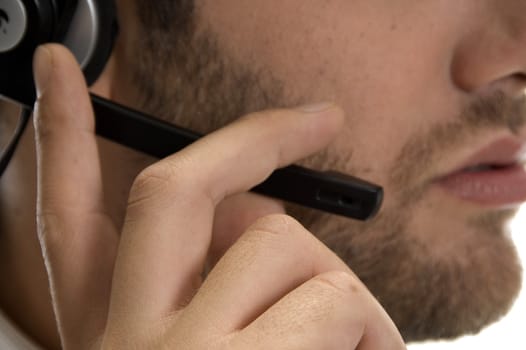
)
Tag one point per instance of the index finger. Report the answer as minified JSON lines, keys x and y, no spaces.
{"x":169,"y":221}
{"x":73,"y":224}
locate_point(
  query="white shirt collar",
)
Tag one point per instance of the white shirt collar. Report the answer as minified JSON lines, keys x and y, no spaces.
{"x":11,"y":338}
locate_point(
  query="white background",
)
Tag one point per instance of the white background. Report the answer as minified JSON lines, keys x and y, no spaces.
{"x":510,"y":332}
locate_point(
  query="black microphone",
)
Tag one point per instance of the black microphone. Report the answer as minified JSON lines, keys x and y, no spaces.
{"x":331,"y":192}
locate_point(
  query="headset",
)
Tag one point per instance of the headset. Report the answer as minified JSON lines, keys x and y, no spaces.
{"x":86,"y":27}
{"x":89,"y":28}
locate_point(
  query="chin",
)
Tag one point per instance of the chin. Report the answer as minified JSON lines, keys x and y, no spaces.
{"x":430,"y":296}
{"x":449,"y":299}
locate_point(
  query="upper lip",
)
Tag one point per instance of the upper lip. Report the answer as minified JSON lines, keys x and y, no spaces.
{"x":506,"y":151}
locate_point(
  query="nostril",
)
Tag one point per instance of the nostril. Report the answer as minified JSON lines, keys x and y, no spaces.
{"x":518,"y":84}
{"x":513,"y":86}
{"x":520,"y":77}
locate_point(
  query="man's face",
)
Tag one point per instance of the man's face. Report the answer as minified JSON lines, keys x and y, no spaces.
{"x":426,"y":86}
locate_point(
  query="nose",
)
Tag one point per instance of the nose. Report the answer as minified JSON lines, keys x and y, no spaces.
{"x":492,"y":55}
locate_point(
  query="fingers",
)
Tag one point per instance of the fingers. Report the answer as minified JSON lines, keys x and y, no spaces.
{"x":274,"y":257}
{"x":167,"y":234}
{"x":278,"y":286}
{"x":65,"y":134}
{"x":76,"y":235}
{"x":248,"y":207}
{"x":330,"y":311}
{"x":168,"y":227}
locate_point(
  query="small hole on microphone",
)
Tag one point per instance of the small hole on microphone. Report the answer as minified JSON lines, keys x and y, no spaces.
{"x":336,"y":199}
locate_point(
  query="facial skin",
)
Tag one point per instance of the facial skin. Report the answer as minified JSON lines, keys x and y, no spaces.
{"x":8,"y":122}
{"x":424,"y":85}
{"x":410,"y":76}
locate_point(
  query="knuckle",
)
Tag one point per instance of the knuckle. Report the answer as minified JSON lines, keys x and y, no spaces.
{"x":339,"y":282}
{"x":151,"y":177}
{"x":162,"y":177}
{"x":275,"y":224}
{"x":271,"y":232}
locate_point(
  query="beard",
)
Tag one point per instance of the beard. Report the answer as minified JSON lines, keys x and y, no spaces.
{"x":185,"y":78}
{"x":428,"y":297}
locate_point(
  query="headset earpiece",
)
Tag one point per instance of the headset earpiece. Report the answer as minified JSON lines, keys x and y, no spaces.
{"x":86,"y":27}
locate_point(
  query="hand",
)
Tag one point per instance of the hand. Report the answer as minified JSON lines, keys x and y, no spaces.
{"x":277,"y":287}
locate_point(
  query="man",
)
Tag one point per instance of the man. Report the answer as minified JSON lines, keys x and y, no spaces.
{"x":431,"y":107}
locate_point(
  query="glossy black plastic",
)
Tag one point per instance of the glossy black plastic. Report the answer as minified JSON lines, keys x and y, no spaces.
{"x":48,"y":21}
{"x":331,"y":192}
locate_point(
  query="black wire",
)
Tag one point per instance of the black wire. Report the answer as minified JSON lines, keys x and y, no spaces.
{"x":25,"y":114}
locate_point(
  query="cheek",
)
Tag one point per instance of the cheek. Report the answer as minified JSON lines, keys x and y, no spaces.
{"x":363,"y":152}
{"x":370,"y":57}
{"x":301,"y":41}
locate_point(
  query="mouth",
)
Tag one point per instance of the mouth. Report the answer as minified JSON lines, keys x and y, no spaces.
{"x":495,"y":176}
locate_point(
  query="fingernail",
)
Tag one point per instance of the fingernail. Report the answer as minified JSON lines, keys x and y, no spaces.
{"x":316,"y":107}
{"x":42,"y":64}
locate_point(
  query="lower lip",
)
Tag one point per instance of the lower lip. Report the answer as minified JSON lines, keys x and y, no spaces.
{"x":498,"y":187}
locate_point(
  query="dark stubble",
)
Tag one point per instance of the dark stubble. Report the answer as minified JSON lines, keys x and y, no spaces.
{"x":433,"y":297}
{"x":184,"y":77}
